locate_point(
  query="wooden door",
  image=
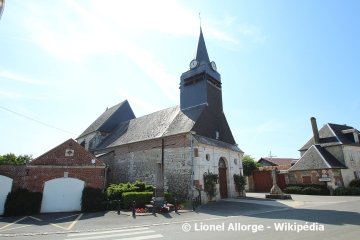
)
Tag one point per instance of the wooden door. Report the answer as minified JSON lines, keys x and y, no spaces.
{"x":280,"y":181}
{"x":223,"y":183}
{"x":262,"y":181}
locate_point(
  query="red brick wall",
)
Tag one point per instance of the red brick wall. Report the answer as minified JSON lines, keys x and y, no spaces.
{"x":16,"y":172}
{"x":38,"y":175}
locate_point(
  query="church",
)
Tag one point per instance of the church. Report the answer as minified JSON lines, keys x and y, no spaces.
{"x":185,"y":140}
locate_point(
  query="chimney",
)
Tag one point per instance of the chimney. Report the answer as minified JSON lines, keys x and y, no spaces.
{"x":315,"y":130}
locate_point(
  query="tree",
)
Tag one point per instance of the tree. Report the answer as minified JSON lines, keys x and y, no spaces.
{"x":249,"y":165}
{"x":11,"y":158}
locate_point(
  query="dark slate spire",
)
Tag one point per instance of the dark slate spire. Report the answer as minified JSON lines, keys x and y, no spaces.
{"x":201,"y":52}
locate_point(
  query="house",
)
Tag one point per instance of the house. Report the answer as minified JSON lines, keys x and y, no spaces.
{"x":332,"y":155}
{"x":187,"y":140}
{"x":270,"y":161}
{"x":60,"y":174}
{"x":261,"y":179}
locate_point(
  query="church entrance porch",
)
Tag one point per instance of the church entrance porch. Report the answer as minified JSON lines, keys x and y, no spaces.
{"x":222,"y":179}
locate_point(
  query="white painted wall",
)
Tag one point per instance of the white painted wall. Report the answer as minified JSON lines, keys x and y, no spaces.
{"x":201,"y":165}
{"x":62,"y":195}
{"x":5,"y":188}
{"x":353,"y":165}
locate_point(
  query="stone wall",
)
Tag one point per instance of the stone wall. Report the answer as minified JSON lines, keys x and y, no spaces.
{"x":138,"y":161}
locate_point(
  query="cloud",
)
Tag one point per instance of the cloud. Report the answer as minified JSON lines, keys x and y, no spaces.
{"x":19,"y":78}
{"x":144,"y":105}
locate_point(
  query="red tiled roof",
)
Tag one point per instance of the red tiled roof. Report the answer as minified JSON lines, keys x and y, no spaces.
{"x":279,"y":161}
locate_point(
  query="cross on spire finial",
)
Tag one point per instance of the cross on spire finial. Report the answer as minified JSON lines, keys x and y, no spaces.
{"x":200,"y":19}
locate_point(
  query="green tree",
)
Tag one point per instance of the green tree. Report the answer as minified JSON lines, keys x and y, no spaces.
{"x":11,"y":158}
{"x":249,"y":165}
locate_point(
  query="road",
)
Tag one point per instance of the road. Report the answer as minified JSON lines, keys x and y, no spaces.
{"x":311,"y":217}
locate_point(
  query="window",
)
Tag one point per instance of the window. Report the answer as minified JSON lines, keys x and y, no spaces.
{"x":357,"y":175}
{"x":351,"y":155}
{"x":235,"y":161}
{"x":217,"y":135}
{"x":359,"y":155}
{"x":207,"y":157}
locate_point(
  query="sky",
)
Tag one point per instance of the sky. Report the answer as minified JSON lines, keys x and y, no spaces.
{"x":62,"y":63}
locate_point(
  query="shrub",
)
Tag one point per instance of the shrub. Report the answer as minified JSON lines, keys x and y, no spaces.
{"x":140,"y":198}
{"x":169,"y":197}
{"x":309,"y":189}
{"x":210,"y":180}
{"x":92,"y":200}
{"x":355,"y":183}
{"x":293,"y":190}
{"x":240,"y":182}
{"x":342,"y":191}
{"x":22,"y":202}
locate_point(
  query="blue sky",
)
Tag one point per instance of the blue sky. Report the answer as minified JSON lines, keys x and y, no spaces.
{"x":281,"y":62}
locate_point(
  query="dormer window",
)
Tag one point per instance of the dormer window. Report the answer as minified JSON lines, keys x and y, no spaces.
{"x":217,"y":134}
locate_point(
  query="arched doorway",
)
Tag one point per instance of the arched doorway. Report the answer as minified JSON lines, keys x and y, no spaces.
{"x":6,"y":185}
{"x":62,"y":195}
{"x":222,"y":178}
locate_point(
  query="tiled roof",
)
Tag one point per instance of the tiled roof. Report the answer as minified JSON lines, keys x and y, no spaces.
{"x":279,"y":161}
{"x":167,"y":122}
{"x":316,"y":157}
{"x":331,"y":134}
{"x":68,"y":153}
{"x":216,"y":143}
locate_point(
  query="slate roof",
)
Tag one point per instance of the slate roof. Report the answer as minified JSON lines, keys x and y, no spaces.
{"x":110,"y":118}
{"x":279,"y":161}
{"x":330,"y":135}
{"x":58,"y":156}
{"x":316,"y":157}
{"x":201,"y":53}
{"x":166,"y":122}
{"x":216,"y":143}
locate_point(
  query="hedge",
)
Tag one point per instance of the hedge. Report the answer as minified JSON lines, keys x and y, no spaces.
{"x":314,"y":189}
{"x":347,"y":191}
{"x":355,"y":183}
{"x":22,"y":202}
{"x":142,"y":198}
{"x":92,"y":200}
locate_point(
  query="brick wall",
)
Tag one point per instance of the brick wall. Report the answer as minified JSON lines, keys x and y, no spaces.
{"x":34,"y":177}
{"x":16,"y":172}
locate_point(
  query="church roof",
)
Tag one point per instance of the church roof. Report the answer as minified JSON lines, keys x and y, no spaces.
{"x":216,"y":143}
{"x":201,"y":52}
{"x":316,"y":158}
{"x":166,"y":122}
{"x":110,"y":118}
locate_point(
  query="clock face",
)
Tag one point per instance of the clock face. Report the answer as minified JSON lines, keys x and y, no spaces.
{"x":213,"y":66}
{"x":193,"y":64}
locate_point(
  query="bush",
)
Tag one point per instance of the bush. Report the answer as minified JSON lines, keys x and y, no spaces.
{"x":347,"y":191}
{"x":169,"y":197}
{"x":293,"y":190}
{"x":240,"y":182}
{"x":307,"y":189}
{"x":140,"y":198}
{"x":355,"y":183}
{"x":92,"y":200}
{"x":22,"y":202}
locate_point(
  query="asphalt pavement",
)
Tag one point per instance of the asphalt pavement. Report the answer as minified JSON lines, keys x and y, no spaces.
{"x":92,"y":223}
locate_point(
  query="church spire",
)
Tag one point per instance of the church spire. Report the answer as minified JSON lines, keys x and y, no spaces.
{"x":201,"y":52}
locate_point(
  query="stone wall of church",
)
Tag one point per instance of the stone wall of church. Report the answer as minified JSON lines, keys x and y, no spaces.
{"x":137,"y":161}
